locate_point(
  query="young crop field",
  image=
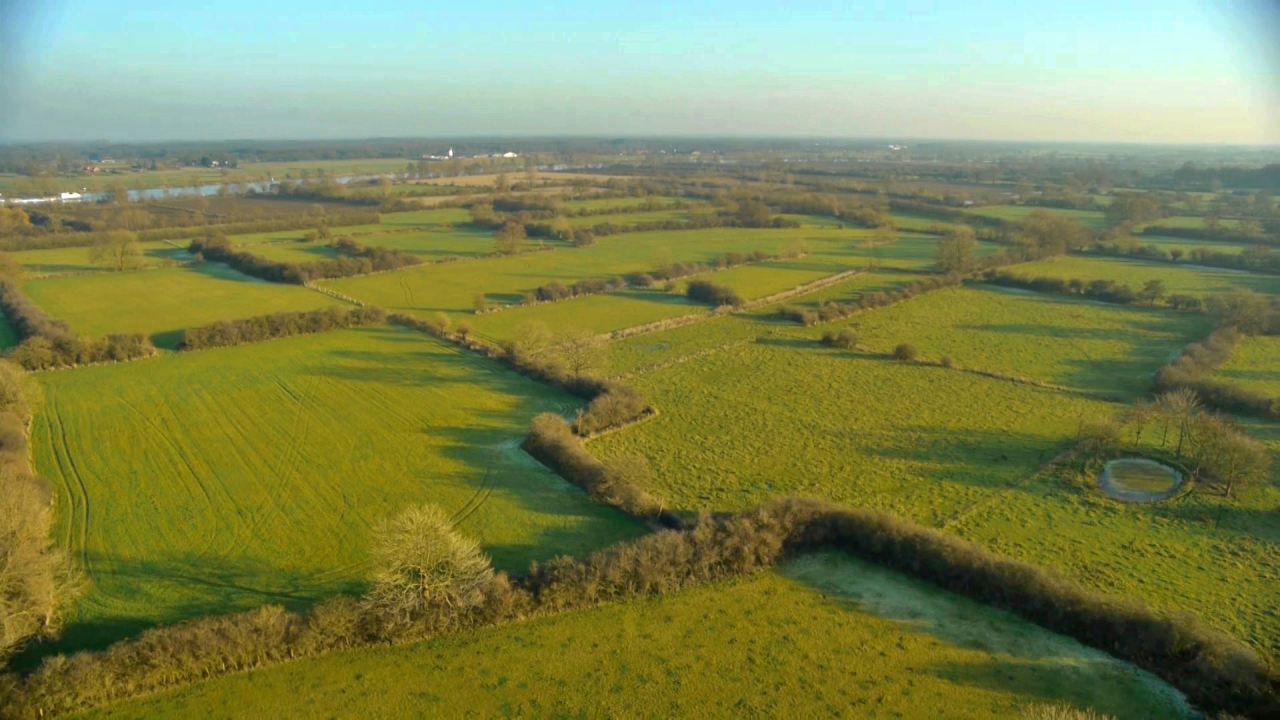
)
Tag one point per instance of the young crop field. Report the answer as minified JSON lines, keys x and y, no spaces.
{"x":163,"y":302}
{"x":1255,"y":366}
{"x":1089,"y":218}
{"x":1090,"y":347}
{"x":1199,"y":281}
{"x":208,"y":481}
{"x":837,"y":638}
{"x":78,"y":259}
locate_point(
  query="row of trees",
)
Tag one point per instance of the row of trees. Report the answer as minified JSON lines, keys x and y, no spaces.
{"x":428,"y":581}
{"x":358,"y":260}
{"x":88,"y":238}
{"x":1257,"y":258}
{"x":36,"y":579}
{"x":1213,"y":447}
{"x":1104,"y":290}
{"x":276,"y":325}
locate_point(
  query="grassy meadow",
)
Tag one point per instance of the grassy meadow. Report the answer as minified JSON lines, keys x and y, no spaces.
{"x":1095,"y":219}
{"x":824,"y":636}
{"x":1199,"y":281}
{"x":752,"y":408}
{"x":1255,"y":366}
{"x":163,"y":302}
{"x":208,"y":481}
{"x":77,"y":259}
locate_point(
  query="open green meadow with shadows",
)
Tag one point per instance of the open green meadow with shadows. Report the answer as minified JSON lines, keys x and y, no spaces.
{"x":215,"y":480}
{"x":825,"y":635}
{"x":161,"y":303}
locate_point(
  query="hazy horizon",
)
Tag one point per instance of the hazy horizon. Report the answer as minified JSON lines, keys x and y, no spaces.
{"x":1178,"y":73}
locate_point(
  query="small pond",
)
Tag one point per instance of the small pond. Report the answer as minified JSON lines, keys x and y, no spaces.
{"x":1140,"y":480}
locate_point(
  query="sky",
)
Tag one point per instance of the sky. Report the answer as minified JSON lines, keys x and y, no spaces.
{"x":1173,"y":71}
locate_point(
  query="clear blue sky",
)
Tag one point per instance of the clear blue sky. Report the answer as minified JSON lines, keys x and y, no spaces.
{"x":1122,"y":70}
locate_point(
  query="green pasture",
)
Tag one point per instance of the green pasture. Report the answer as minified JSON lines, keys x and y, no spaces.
{"x":1013,"y":213}
{"x":1180,"y":279}
{"x":77,"y":259}
{"x":163,"y":302}
{"x":1113,"y":350}
{"x":598,"y":314}
{"x":1188,"y":244}
{"x":209,"y":481}
{"x":622,"y":204}
{"x":753,"y":408}
{"x":1255,"y":366}
{"x":452,"y":288}
{"x":632,"y":217}
{"x":824,"y":636}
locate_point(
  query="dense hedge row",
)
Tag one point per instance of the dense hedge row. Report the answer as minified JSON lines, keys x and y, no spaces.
{"x":292,"y":222}
{"x":1103,"y":290}
{"x":361,"y":260}
{"x":1220,"y":235}
{"x":48,"y":343}
{"x":705,"y":291}
{"x":832,"y":310}
{"x":553,"y":443}
{"x":1214,"y":671}
{"x":1195,"y":366}
{"x":265,"y":327}
{"x":611,"y":404}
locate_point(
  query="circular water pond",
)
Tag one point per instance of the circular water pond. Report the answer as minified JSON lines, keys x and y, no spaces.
{"x":1140,"y":480}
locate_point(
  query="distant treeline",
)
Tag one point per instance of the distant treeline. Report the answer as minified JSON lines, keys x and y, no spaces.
{"x":358,"y":260}
{"x":832,"y":310}
{"x":48,"y":343}
{"x":1193,"y":370}
{"x":1103,"y":290}
{"x":1220,"y":234}
{"x":277,"y":325}
{"x":1258,"y":258}
{"x":291,"y":222}
{"x":1215,"y":672}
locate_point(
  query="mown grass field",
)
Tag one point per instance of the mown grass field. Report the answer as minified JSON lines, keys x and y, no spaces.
{"x":77,"y":259}
{"x":1255,"y":366}
{"x":752,"y":408}
{"x":208,"y":481}
{"x":1107,"y":349}
{"x":163,"y":302}
{"x":1089,"y":218}
{"x":824,"y":636}
{"x":1199,"y":281}
{"x":598,"y":314}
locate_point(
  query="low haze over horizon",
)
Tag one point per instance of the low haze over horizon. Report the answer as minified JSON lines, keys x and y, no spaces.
{"x":1170,"y":72}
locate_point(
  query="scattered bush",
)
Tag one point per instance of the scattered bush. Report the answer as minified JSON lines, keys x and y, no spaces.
{"x":906,"y":352}
{"x":846,"y":339}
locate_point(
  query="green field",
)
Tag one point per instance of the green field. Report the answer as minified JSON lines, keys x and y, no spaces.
{"x":752,"y":408}
{"x":1254,"y":366}
{"x":1199,"y":281}
{"x":1188,"y":244}
{"x":826,"y":636}
{"x":596,"y":313}
{"x":1089,"y":218}
{"x":1193,"y":222}
{"x":161,"y":303}
{"x":452,"y":288}
{"x":76,"y":259}
{"x":1109,"y":349}
{"x":208,"y":481}
{"x":631,"y":217}
{"x":430,"y":234}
